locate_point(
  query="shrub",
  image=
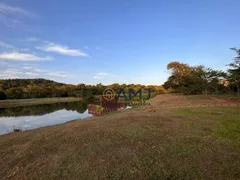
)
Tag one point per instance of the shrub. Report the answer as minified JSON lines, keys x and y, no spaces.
{"x":99,"y":109}
{"x":17,"y":130}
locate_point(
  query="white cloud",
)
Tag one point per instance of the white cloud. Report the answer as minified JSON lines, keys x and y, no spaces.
{"x":32,"y":73}
{"x":2,"y":64}
{"x":13,"y":72}
{"x":25,"y":49}
{"x":11,"y":21}
{"x":100,"y":75}
{"x":8,"y":76}
{"x":16,"y":56}
{"x":6,"y":9}
{"x":57,"y":74}
{"x":8,"y":46}
{"x":97,"y":77}
{"x":11,"y":16}
{"x":40,"y":70}
{"x":48,"y":46}
{"x":61,"y":49}
{"x":27,"y":67}
{"x":32,"y":39}
{"x":10,"y":73}
{"x":5,"y":45}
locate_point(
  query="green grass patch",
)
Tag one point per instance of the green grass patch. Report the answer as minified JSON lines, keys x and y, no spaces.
{"x":134,"y":131}
{"x":196,"y":97}
{"x":225,"y":120}
{"x":217,"y":113}
{"x":232,"y":96}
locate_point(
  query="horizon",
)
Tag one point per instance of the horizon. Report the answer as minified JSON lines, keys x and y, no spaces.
{"x":110,"y":42}
{"x":75,"y":84}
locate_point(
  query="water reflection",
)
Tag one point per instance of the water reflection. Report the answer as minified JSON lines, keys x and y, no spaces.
{"x":31,"y":117}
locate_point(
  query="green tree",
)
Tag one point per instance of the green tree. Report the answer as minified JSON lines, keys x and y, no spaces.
{"x":212,"y":79}
{"x":234,"y":70}
{"x":184,"y":78}
{"x":15,"y":93}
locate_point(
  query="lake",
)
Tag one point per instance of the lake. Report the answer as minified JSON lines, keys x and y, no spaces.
{"x":30,"y":117}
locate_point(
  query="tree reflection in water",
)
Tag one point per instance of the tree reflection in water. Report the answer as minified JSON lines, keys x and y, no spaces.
{"x":38,"y":110}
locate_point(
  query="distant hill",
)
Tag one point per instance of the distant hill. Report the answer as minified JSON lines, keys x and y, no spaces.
{"x":44,"y":88}
{"x":34,"y":88}
{"x":10,"y":83}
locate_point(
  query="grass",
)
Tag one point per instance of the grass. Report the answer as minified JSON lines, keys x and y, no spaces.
{"x":226,"y":120}
{"x":133,"y":131}
{"x":232,"y":96}
{"x":34,"y":101}
{"x":198,"y":99}
{"x":181,"y":143}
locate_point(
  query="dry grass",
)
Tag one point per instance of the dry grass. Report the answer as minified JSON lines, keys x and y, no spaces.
{"x":169,"y":100}
{"x":189,"y":143}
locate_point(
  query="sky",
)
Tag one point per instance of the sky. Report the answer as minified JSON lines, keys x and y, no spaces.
{"x":114,"y":41}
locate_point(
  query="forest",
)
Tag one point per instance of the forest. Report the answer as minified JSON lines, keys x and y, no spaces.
{"x":184,"y":79}
{"x":188,"y":79}
{"x":42,"y":88}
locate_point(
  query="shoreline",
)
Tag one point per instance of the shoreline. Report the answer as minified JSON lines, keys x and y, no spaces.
{"x":35,"y":101}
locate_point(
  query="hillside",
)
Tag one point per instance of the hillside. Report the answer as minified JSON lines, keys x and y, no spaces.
{"x":43,"y":88}
{"x":12,"y":83}
{"x":176,"y":143}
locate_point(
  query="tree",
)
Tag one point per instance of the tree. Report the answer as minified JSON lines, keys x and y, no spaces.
{"x":193,"y":79}
{"x":184,"y":78}
{"x":234,"y":70}
{"x":179,"y":69}
{"x":2,"y":95}
{"x":14,"y":93}
{"x":212,"y":79}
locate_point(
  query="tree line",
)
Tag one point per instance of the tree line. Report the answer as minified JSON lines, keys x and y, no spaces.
{"x":43,"y":88}
{"x":184,"y":79}
{"x":188,"y":79}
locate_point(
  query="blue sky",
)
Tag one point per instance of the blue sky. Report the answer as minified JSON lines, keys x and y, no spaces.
{"x":114,"y":41}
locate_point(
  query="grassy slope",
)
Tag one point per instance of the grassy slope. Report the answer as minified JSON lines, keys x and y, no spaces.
{"x":186,"y":143}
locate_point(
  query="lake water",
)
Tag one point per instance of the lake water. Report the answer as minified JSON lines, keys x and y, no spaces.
{"x":30,"y":117}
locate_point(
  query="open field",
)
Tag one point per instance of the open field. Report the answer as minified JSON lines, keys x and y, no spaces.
{"x":191,"y":142}
{"x":227,"y":97}
{"x":177,"y":101}
{"x":34,"y":101}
